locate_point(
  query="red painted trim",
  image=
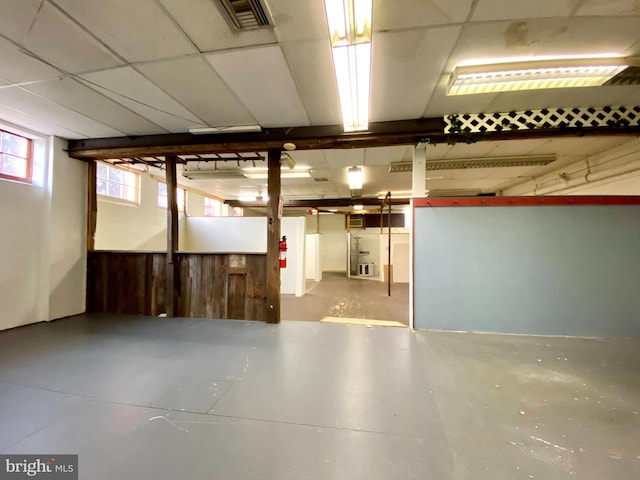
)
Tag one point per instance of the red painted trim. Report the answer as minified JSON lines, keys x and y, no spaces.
{"x":526,"y":201}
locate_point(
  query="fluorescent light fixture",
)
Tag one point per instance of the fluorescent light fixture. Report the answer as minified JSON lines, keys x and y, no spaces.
{"x":355,"y":176}
{"x":349,"y":21}
{"x":236,"y":129}
{"x":350,"y":31}
{"x":262,"y":173}
{"x":509,"y":77}
{"x":358,"y":207}
{"x":353,"y":69}
{"x":197,"y":174}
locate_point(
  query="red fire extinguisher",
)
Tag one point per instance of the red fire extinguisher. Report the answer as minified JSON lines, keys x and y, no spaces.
{"x":283,"y":252}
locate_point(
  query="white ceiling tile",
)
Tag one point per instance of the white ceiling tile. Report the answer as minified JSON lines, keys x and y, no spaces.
{"x":17,"y":17}
{"x":52,"y":113}
{"x":16,"y":66}
{"x":403,"y":62}
{"x":207,"y":28}
{"x":274,"y":100}
{"x":386,"y":155}
{"x":299,"y":21}
{"x":517,"y":147}
{"x":62,"y":43}
{"x":124,"y":85}
{"x":311,"y":65}
{"x":418,"y":13}
{"x":550,"y":37}
{"x":508,"y":9}
{"x":36,"y":123}
{"x":609,"y":7}
{"x":76,"y":96}
{"x":310,"y":158}
{"x":194,"y":83}
{"x":344,"y":158}
{"x":137,"y":33}
{"x":472,"y":150}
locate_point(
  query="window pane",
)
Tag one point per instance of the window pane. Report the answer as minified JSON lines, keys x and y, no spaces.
{"x":129,"y":179}
{"x":113,"y":190}
{"x":14,"y":166}
{"x":129,"y":193}
{"x":103,"y":171}
{"x":15,"y":145}
{"x":162,"y":189}
{"x":101,"y":187}
{"x":115,"y":175}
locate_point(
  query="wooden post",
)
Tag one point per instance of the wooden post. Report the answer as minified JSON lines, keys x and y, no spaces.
{"x":172,"y":235}
{"x":273,"y":237}
{"x":92,"y":204}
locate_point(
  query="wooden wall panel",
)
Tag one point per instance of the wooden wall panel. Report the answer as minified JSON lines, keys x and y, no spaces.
{"x":207,"y":285}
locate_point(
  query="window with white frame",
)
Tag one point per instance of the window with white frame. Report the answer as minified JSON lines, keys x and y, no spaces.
{"x":16,"y":157}
{"x":163,"y":200}
{"x":117,"y":183}
{"x":212,"y":207}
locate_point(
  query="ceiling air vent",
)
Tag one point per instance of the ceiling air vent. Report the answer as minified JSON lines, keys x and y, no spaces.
{"x":629,"y":76}
{"x":245,"y":14}
{"x":320,"y":179}
{"x":465,"y":163}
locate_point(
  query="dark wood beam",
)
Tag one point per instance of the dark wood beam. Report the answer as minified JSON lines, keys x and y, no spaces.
{"x":172,"y":235}
{"x":92,"y":204}
{"x":319,"y":203}
{"x":380,"y":134}
{"x":305,"y":138}
{"x":273,"y":237}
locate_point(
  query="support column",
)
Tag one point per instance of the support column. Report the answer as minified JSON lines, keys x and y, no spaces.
{"x":92,"y":204}
{"x":419,"y":172}
{"x":172,"y":235}
{"x":273,"y":237}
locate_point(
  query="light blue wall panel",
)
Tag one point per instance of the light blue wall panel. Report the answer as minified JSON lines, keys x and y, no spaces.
{"x":559,"y":270}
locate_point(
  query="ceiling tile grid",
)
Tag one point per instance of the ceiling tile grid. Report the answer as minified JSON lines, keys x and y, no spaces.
{"x":129,"y":88}
{"x":273,"y":100}
{"x":77,"y":97}
{"x":194,"y":83}
{"x":113,"y":21}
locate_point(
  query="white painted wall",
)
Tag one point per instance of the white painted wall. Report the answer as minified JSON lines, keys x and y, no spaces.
{"x":312,"y":257}
{"x":333,"y":243}
{"x":42,"y":250}
{"x":68,"y":245}
{"x":400,"y":246}
{"x":249,"y":235}
{"x":123,"y":226}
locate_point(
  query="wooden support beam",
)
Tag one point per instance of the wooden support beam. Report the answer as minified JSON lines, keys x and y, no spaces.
{"x":273,"y":237}
{"x":172,"y":235}
{"x":319,"y":203}
{"x":92,"y":204}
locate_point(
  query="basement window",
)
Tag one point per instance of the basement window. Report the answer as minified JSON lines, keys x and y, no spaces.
{"x":163,"y":199}
{"x":16,"y":157}
{"x":212,"y":207}
{"x":116,"y":183}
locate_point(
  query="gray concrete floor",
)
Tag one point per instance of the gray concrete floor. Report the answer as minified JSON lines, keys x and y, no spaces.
{"x":339,"y":296}
{"x":157,"y":398}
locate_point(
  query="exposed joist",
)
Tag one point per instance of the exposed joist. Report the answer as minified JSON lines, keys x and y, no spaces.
{"x":305,"y":138}
{"x":403,"y":132}
{"x":319,"y":203}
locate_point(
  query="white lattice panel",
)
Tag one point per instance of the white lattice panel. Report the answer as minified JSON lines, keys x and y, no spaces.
{"x":543,"y":119}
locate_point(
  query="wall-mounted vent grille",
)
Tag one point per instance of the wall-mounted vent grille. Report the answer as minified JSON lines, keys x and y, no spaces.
{"x":629,"y":76}
{"x":245,"y":14}
{"x":465,"y":163}
{"x":320,"y":179}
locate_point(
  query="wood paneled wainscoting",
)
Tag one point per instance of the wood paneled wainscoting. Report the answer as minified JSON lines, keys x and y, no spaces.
{"x":208,"y":285}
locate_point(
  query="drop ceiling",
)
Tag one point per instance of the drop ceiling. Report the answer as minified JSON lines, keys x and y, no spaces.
{"x":80,"y":69}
